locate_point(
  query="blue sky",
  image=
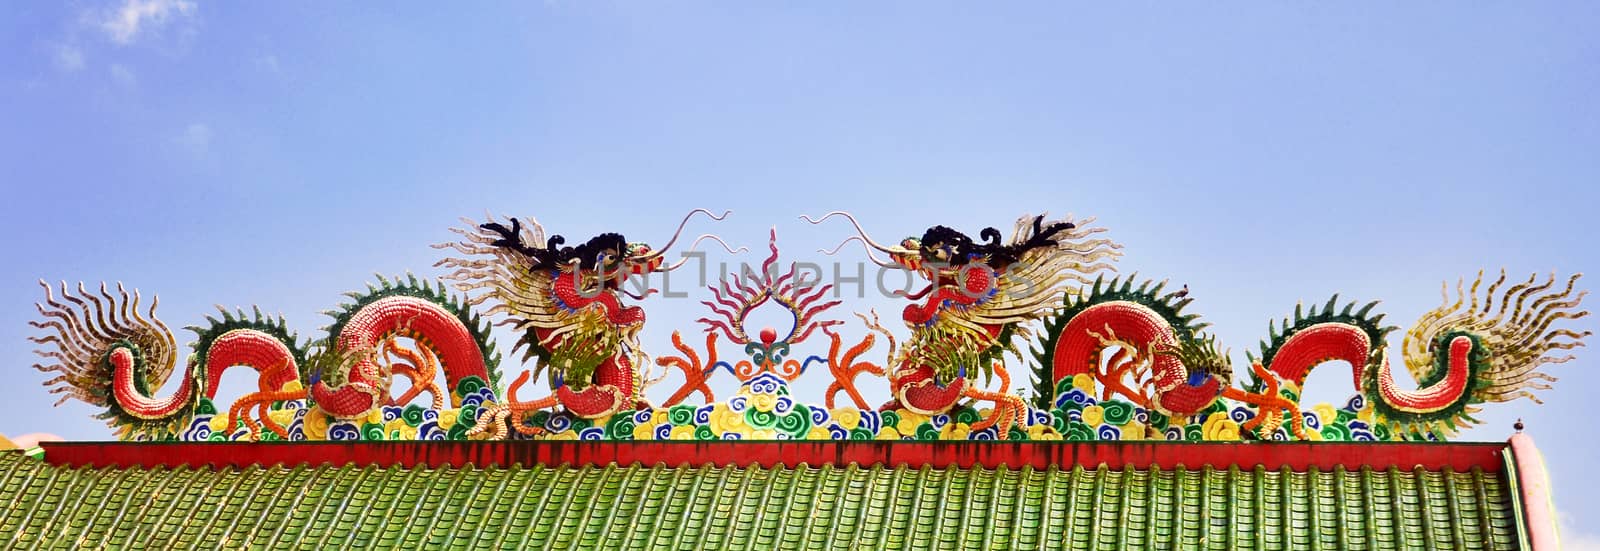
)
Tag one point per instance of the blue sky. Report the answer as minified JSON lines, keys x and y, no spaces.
{"x":1263,"y":155}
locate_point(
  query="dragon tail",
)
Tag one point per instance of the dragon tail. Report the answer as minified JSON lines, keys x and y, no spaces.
{"x":1477,"y":349}
{"x":107,"y":353}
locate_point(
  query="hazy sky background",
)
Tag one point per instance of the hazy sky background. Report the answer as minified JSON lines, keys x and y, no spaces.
{"x":1262,"y":154}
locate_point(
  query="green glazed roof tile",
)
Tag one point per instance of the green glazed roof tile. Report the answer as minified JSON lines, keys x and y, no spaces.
{"x":750,"y":508}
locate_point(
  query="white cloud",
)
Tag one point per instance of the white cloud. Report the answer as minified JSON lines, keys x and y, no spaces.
{"x":269,"y":64}
{"x":123,"y":75}
{"x":69,"y":58}
{"x":1580,"y":542}
{"x":125,"y":23}
{"x":196,"y":138}
{"x":1574,"y":539}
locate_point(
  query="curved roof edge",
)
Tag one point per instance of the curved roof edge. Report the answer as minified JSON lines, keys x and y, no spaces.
{"x":1532,"y":493}
{"x":1458,"y":457}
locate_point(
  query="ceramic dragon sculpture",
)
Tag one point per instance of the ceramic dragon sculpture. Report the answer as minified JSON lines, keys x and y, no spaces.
{"x":1477,"y":348}
{"x":567,"y":301}
{"x":105,"y":350}
{"x":977,"y":301}
{"x":1112,"y":358}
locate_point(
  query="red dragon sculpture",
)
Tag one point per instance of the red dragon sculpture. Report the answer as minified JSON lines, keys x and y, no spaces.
{"x":567,"y":302}
{"x":1478,"y":348}
{"x":978,"y":297}
{"x":106,"y":352}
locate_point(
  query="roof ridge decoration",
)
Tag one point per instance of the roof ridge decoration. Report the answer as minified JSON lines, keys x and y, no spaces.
{"x":1111,"y":358}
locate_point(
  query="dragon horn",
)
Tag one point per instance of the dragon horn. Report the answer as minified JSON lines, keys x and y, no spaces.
{"x":864,"y":246}
{"x":652,"y":255}
{"x":863,"y":233}
{"x":696,"y":245}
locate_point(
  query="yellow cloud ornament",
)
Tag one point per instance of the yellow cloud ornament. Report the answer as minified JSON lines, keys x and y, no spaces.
{"x":908,"y":425}
{"x":1084,"y":382}
{"x":960,"y":431}
{"x":1133,"y":430}
{"x":1326,"y":414}
{"x":1094,"y":415}
{"x":1220,"y":427}
{"x":1043,"y":432}
{"x":405,"y":431}
{"x":316,"y":424}
{"x":849,"y":418}
{"x":283,"y":417}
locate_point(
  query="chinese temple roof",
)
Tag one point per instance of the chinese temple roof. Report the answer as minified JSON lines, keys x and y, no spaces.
{"x":395,"y":427}
{"x":1403,"y":497}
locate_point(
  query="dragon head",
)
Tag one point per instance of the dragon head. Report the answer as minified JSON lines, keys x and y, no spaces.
{"x":609,"y":254}
{"x":943,"y":246}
